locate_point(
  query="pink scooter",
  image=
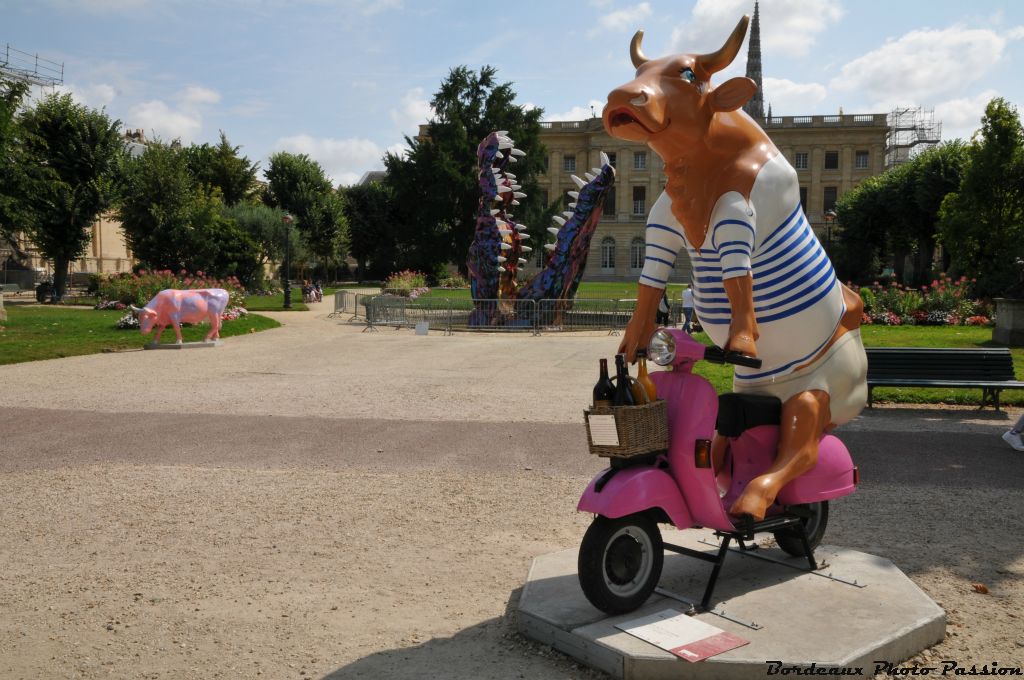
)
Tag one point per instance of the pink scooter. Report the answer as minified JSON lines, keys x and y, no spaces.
{"x":621,"y":555}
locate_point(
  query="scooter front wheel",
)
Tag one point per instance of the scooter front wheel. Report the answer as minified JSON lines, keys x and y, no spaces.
{"x":816,"y":519}
{"x":620,"y":562}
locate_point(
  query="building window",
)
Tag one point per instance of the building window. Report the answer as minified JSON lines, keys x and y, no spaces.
{"x":801,"y":160}
{"x":861,"y":160}
{"x":569,"y":163}
{"x":639,"y":160}
{"x":608,"y":255}
{"x":637,"y":249}
{"x":547,"y":163}
{"x":639,"y":200}
{"x":609,"y":203}
{"x":611,"y":159}
{"x":831,"y":160}
{"x":803,"y":199}
{"x":829,"y":199}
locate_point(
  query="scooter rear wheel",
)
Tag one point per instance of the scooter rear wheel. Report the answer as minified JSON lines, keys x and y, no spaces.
{"x":814,"y":528}
{"x":620,"y":562}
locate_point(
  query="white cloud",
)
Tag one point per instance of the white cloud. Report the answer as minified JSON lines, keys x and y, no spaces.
{"x":1016,"y":33}
{"x":167,"y":122}
{"x":961,"y":117}
{"x":95,"y":96}
{"x":413,"y":110}
{"x":195,"y":96}
{"x":922,"y":66}
{"x":592,"y":108}
{"x":788,"y":98}
{"x":787,"y":26}
{"x":371,"y":7}
{"x":344,"y":160}
{"x":158,"y":119}
{"x":622,"y":19}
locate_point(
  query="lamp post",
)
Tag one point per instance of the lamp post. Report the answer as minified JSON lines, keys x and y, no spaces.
{"x":830,"y":217}
{"x":287,"y":219}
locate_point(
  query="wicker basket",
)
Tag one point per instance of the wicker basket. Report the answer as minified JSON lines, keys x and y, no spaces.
{"x":639,"y":429}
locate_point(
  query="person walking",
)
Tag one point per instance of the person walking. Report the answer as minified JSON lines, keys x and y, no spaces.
{"x":1012,"y":436}
{"x":687,"y":308}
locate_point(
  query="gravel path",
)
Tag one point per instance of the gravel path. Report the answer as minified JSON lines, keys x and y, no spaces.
{"x":318,"y":502}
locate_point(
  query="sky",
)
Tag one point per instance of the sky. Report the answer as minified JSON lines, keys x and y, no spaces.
{"x":345,"y":81}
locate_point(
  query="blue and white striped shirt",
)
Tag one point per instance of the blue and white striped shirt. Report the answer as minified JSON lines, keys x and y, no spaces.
{"x":798,"y":301}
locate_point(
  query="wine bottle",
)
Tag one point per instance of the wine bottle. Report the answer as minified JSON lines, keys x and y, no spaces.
{"x":623,"y":395}
{"x":604,"y":390}
{"x":643,"y":377}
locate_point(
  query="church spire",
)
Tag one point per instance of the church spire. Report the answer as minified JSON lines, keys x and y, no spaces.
{"x":755,"y":107}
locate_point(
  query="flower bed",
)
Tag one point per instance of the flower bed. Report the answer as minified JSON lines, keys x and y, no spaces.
{"x":943,"y":302}
{"x":138,"y":289}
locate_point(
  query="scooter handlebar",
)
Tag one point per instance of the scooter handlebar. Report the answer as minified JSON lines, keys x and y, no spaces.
{"x":720,"y":356}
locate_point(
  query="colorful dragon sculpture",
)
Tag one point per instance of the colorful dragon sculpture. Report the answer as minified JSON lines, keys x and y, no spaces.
{"x":498,"y":249}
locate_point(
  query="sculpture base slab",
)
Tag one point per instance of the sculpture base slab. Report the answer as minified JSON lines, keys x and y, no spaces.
{"x":805,"y":618}
{"x":183,"y":345}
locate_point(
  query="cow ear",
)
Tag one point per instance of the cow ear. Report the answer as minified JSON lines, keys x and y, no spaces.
{"x":732,"y":94}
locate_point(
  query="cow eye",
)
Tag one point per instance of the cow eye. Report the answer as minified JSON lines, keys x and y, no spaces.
{"x":687,"y":75}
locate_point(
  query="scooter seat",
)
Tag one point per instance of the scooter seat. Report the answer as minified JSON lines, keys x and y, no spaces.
{"x":740,"y":412}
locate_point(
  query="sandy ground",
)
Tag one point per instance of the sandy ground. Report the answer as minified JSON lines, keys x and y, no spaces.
{"x":316,"y":502}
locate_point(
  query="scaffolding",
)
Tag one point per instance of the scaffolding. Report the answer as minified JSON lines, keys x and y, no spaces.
{"x":911,"y":131}
{"x":30,"y":68}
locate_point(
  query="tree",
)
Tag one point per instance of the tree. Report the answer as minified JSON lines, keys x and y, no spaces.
{"x":435,"y":184}
{"x":982,"y":223}
{"x":80,"y":149}
{"x":173,"y":221}
{"x":12,"y":162}
{"x":223,"y":168}
{"x":299,"y":185}
{"x":893,"y":216}
{"x":370,"y":212}
{"x":263,"y":225}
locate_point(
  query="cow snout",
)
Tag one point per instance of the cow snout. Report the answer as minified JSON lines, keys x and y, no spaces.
{"x":632,"y":113}
{"x":639,"y":100}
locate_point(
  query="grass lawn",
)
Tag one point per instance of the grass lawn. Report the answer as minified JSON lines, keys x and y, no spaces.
{"x":908,"y":336}
{"x":275,"y":303}
{"x":35,"y":333}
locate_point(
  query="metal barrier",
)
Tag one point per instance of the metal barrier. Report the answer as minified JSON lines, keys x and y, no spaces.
{"x":499,"y":315}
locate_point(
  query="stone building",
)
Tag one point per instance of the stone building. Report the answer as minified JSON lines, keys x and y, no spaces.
{"x":831,"y":154}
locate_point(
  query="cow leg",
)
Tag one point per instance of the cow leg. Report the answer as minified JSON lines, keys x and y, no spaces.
{"x":214,"y":327}
{"x":159,"y":332}
{"x":804,"y":417}
{"x":177,"y":330}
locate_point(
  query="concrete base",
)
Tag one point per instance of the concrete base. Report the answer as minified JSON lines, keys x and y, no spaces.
{"x":183,"y":345}
{"x":806,"y":618}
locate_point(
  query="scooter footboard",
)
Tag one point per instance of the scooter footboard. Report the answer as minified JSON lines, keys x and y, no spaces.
{"x":634,"y":490}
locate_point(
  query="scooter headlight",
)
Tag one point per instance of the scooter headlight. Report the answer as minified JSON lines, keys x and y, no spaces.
{"x":662,"y":348}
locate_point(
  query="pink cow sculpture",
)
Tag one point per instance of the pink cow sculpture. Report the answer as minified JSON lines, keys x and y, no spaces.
{"x":172,"y":307}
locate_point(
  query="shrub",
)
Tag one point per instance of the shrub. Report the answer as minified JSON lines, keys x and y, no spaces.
{"x":977,"y":321}
{"x":868,"y":297}
{"x":127,"y":322}
{"x":139,"y":288}
{"x":407,"y":283}
{"x":453,"y":281}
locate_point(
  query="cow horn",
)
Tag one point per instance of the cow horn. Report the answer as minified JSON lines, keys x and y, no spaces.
{"x":716,"y":61}
{"x":635,"y":53}
{"x":135,"y":309}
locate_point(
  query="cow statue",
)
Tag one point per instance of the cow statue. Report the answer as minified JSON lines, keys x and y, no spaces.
{"x":763,"y":285}
{"x":173,"y":307}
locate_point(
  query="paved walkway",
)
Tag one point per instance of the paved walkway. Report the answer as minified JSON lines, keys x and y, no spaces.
{"x":313,"y":501}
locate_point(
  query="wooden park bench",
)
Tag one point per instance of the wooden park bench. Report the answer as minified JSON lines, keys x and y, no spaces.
{"x":10,"y":289}
{"x":990,"y":369}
